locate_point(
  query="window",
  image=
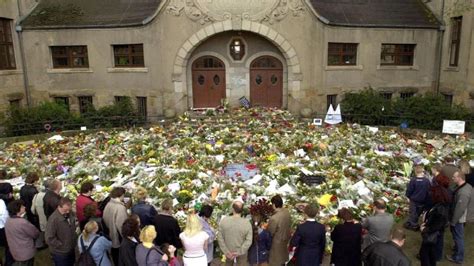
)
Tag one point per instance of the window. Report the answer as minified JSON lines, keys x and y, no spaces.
{"x":7,"y":55}
{"x":129,"y":55}
{"x":85,"y":103}
{"x":340,"y":54}
{"x":386,"y":95}
{"x":69,"y":56}
{"x":62,"y":101}
{"x":237,"y":49}
{"x":119,"y":99}
{"x":15,"y":104}
{"x":448,"y":98}
{"x":406,"y":95}
{"x":141,"y":106}
{"x":397,"y":54}
{"x":331,"y":99}
{"x":456,"y":24}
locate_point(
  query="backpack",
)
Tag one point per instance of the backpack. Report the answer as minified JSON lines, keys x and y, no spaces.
{"x":161,"y":263}
{"x":85,"y":259}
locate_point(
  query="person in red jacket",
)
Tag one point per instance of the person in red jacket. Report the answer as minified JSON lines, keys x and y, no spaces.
{"x":84,"y":199}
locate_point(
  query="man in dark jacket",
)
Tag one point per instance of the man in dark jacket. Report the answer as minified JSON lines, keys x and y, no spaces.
{"x":387,"y":253}
{"x":51,"y":198}
{"x":417,"y":191}
{"x":61,"y":235}
{"x":167,"y":227}
{"x":27,"y":193}
{"x":143,"y":209}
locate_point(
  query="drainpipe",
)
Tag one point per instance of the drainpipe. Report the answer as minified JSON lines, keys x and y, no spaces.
{"x":440,"y":50}
{"x":19,"y":31}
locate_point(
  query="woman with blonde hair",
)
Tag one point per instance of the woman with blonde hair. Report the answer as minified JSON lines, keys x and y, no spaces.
{"x":146,"y":253}
{"x":97,"y":245}
{"x":194,"y":240}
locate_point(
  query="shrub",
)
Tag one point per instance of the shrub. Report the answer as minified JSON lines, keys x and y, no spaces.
{"x":366,"y":107}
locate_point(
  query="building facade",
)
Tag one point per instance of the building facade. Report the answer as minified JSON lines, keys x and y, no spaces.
{"x":184,"y":54}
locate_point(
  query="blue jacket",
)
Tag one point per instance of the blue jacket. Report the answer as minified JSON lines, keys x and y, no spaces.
{"x":262,"y":247}
{"x":99,"y":250}
{"x":418,"y":189}
{"x":145,"y":211}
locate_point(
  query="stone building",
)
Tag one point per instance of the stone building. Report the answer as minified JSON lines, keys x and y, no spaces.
{"x":184,"y":54}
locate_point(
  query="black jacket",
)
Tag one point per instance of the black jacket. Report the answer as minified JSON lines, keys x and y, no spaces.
{"x":145,"y":211}
{"x":167,"y":230}
{"x":437,"y":218}
{"x":384,"y":254}
{"x":127,"y":253}
{"x":310,"y":241}
{"x":50,"y":202}
{"x":27,"y":193}
{"x":347,"y":238}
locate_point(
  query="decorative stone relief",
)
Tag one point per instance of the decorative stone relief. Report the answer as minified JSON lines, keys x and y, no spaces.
{"x":204,"y":11}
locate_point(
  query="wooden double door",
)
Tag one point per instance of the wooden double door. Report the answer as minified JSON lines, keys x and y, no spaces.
{"x":266,"y":82}
{"x":208,"y":82}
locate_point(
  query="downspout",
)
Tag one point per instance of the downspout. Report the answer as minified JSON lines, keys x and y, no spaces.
{"x":19,"y":31}
{"x":440,"y":50}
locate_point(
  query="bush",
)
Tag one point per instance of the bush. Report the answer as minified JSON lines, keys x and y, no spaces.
{"x":423,"y":112}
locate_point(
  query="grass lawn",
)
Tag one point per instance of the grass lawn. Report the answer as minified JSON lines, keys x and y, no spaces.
{"x":412,"y":245}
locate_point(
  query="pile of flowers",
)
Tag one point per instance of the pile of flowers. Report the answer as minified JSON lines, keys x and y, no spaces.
{"x":186,"y":159}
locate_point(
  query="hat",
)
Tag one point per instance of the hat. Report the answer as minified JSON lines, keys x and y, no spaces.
{"x":6,"y":188}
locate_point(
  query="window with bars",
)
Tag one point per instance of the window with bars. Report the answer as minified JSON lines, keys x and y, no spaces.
{"x":15,"y":104}
{"x":406,"y":95}
{"x":456,"y":24}
{"x":331,"y":99}
{"x":386,"y":95}
{"x":397,"y":54}
{"x":129,"y":55}
{"x":448,"y":98}
{"x":340,"y":54}
{"x":70,"y":56}
{"x":62,"y":101}
{"x":237,"y":49}
{"x":119,"y":99}
{"x":85,"y":104}
{"x":7,"y":54}
{"x":142,"y":106}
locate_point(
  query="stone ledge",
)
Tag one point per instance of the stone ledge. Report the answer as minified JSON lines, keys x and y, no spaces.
{"x":127,"y":69}
{"x":382,"y":67}
{"x":9,"y":72}
{"x":68,"y":70}
{"x":336,"y":68}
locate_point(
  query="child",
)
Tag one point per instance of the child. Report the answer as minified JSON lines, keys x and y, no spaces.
{"x":261,"y":244}
{"x":170,"y":250}
{"x":417,"y":191}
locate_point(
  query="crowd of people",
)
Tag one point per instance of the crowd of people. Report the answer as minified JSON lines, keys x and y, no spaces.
{"x":120,"y":232}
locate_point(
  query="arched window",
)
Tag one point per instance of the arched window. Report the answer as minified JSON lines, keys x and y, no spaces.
{"x":237,"y":49}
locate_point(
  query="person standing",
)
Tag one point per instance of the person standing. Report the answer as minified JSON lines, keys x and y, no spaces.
{"x":21,"y":235}
{"x":147,"y":254}
{"x":347,"y":238}
{"x":433,"y":223}
{"x":378,"y":226}
{"x":115,"y":213}
{"x":37,"y":208}
{"x":205,"y":214}
{"x":387,"y":253}
{"x":449,"y":167}
{"x":417,"y":192}
{"x":99,"y":245}
{"x":167,"y":226}
{"x":84,"y":199}
{"x":27,"y":193}
{"x":52,"y":197}
{"x":279,"y":228}
{"x":195,"y":241}
{"x":467,"y":170}
{"x":61,"y":234}
{"x":461,"y":207}
{"x":131,"y":238}
{"x":309,"y":239}
{"x":6,"y":196}
{"x":143,"y":209}
{"x":235,"y":236}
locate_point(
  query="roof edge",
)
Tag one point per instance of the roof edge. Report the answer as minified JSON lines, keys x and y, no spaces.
{"x":313,"y":10}
{"x":434,"y":27}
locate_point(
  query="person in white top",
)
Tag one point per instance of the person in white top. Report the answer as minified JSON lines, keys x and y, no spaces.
{"x":194,"y":240}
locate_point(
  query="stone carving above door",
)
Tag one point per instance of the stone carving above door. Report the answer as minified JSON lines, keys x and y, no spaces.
{"x":204,"y":11}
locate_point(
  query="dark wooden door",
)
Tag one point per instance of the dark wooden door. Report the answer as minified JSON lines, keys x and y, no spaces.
{"x":266,"y":82}
{"x":208,"y":82}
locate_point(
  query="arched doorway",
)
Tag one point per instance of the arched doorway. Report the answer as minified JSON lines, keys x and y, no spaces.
{"x":266,"y":82}
{"x":208,"y":82}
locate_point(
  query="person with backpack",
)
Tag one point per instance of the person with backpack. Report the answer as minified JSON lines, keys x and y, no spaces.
{"x":146,"y":253}
{"x":94,"y":248}
{"x":114,"y":215}
{"x":131,"y":239}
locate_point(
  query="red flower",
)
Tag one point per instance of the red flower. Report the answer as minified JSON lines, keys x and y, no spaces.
{"x":333,"y":198}
{"x":251,"y":166}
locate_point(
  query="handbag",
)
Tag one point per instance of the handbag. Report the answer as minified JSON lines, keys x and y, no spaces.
{"x":430,"y":238}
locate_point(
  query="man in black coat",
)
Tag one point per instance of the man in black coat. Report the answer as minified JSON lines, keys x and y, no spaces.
{"x":166,"y":226}
{"x":387,"y":253}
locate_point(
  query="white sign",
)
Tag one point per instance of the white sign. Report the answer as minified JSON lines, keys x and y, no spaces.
{"x":333,"y":117}
{"x":317,"y":122}
{"x":453,"y":127}
{"x":83,"y":128}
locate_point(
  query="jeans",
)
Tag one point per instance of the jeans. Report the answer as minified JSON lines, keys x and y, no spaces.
{"x":457,"y":231}
{"x":64,"y":259}
{"x":415,"y":211}
{"x":440,"y":245}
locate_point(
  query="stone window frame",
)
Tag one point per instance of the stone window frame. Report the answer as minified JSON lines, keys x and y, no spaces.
{"x":455,"y":41}
{"x":337,"y":49}
{"x":85,"y":102}
{"x":64,"y":100}
{"x":142,"y":106}
{"x":386,"y":95}
{"x":129,"y":55}
{"x":448,"y":98}
{"x":68,"y":54}
{"x":6,"y":44}
{"x":406,"y":95}
{"x":244,"y":51}
{"x":398,"y":53}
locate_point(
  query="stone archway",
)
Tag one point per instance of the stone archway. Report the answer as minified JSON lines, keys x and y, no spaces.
{"x":184,"y":53}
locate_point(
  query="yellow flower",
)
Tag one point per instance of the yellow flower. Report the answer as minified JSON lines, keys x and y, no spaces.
{"x":325,"y":199}
{"x":272,"y":157}
{"x":209,"y":147}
